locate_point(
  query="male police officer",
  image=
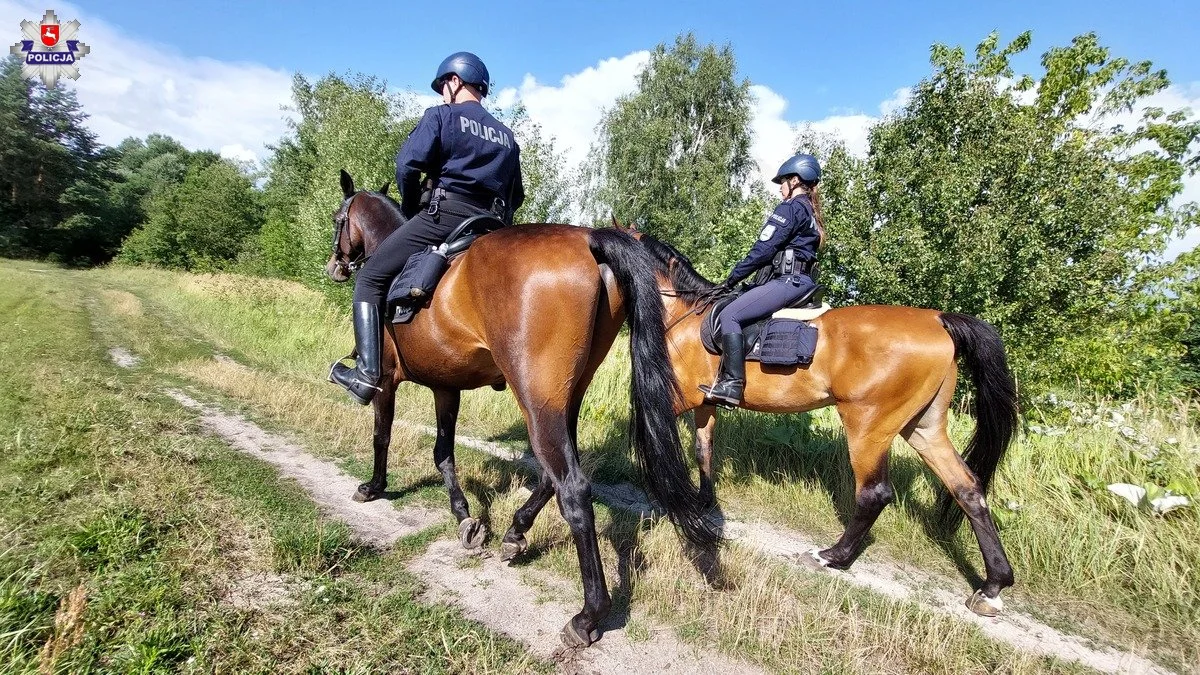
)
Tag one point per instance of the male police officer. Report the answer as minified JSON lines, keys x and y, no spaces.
{"x":473,"y":164}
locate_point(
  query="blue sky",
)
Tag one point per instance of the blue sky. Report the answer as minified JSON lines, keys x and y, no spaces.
{"x":216,"y":74}
{"x":822,"y":57}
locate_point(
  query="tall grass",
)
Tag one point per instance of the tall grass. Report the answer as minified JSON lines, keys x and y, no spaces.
{"x":125,"y":530}
{"x":1084,"y":558}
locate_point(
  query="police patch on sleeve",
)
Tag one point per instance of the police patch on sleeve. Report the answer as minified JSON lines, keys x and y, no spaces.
{"x":778,"y":218}
{"x":767,"y":233}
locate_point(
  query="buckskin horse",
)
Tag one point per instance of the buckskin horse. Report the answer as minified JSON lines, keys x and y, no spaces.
{"x":536,"y":308}
{"x":889,"y":371}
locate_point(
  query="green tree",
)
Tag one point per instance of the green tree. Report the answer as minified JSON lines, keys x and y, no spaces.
{"x":201,"y":224}
{"x":549,"y":192}
{"x":675,"y":155}
{"x":53,"y":174}
{"x":341,"y":123}
{"x":1041,"y":217}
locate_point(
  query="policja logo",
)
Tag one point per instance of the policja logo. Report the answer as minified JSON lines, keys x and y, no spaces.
{"x":51,"y":50}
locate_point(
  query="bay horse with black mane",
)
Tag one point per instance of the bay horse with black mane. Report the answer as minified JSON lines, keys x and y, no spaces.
{"x":889,"y":371}
{"x":536,"y":308}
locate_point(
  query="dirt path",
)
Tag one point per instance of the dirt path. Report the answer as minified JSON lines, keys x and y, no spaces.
{"x":477,"y":589}
{"x":887,"y":578}
{"x":376,"y":523}
{"x":484,"y":588}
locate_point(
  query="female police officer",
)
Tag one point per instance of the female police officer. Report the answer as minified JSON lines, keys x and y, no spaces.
{"x":796,"y":224}
{"x":473,"y":163}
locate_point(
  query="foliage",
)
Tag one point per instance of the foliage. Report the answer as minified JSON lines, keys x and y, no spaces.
{"x":675,"y":155}
{"x":992,"y":196}
{"x":351,"y":123}
{"x":202,"y":224}
{"x":549,"y":192}
{"x":54,"y":176}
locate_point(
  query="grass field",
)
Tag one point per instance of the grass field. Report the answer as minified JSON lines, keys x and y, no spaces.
{"x":106,"y":486}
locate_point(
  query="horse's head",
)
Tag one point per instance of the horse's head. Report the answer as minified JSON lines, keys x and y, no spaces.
{"x":360,"y":224}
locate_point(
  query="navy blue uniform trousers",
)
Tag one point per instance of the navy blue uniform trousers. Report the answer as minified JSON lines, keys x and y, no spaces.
{"x":417,"y":234}
{"x":762,"y":301}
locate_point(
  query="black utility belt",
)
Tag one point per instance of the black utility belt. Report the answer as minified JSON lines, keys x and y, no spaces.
{"x":786,"y":262}
{"x":495,"y":205}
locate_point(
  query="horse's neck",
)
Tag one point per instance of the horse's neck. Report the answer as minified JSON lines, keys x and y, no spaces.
{"x":375,"y":237}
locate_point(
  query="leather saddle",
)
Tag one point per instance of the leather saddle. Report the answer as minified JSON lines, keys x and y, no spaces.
{"x":811,"y":303}
{"x":412,"y":288}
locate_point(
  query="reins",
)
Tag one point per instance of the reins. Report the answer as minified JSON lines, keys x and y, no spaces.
{"x":705,"y":300}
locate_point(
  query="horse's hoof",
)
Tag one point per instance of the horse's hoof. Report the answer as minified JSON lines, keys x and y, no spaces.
{"x":574,"y":638}
{"x":812,"y":559}
{"x":471,"y":533}
{"x":983,"y":605}
{"x":512,"y":549}
{"x":366,"y":493}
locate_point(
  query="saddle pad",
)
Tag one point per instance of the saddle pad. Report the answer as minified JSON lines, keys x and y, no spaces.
{"x":802,"y":314}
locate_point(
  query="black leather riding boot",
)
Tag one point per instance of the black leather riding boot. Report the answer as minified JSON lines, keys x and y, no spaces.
{"x":362,"y":381}
{"x":731,"y":374}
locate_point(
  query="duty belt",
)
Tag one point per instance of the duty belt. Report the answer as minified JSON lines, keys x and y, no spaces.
{"x":494,"y":205}
{"x":785,"y":263}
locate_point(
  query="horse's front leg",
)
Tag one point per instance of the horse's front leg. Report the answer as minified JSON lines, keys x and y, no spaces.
{"x":471,"y":532}
{"x":706,"y":425}
{"x":385,"y":412}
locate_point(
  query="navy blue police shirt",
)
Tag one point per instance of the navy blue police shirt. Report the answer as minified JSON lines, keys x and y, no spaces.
{"x":791,"y":226}
{"x":466,"y":150}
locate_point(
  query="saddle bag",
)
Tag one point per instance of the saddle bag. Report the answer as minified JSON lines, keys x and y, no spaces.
{"x":416,"y":282}
{"x":787,"y":342}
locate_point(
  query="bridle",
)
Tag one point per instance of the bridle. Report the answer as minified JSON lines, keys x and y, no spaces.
{"x":341,"y":222}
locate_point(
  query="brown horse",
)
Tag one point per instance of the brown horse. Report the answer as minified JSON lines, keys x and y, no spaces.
{"x":536,"y":308}
{"x":889,"y":371}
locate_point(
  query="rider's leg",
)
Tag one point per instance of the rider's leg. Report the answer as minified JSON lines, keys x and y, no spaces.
{"x":370,"y":289}
{"x":751,"y":306}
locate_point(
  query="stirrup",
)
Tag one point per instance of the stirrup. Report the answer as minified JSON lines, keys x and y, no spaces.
{"x":718,"y":400}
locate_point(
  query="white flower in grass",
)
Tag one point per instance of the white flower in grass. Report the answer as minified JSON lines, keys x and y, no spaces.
{"x":1171,"y":441}
{"x":1167,"y":503}
{"x":1159,"y":506}
{"x":1132,"y":493}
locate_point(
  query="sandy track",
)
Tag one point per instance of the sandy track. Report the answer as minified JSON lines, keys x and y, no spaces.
{"x":485,"y":589}
{"x":887,"y":578}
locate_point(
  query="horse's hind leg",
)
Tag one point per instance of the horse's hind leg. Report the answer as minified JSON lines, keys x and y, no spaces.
{"x":385,"y":412}
{"x":927,"y":435}
{"x":550,"y":436}
{"x":870,"y":439}
{"x":470,"y":531}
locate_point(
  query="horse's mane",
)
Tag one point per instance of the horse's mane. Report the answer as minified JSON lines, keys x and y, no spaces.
{"x":672,"y":264}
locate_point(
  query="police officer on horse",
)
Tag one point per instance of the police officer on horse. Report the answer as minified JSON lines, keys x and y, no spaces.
{"x":789,"y":241}
{"x":471,"y":163}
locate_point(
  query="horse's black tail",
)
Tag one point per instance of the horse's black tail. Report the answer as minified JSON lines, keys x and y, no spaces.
{"x":979,"y":346}
{"x":655,"y":390}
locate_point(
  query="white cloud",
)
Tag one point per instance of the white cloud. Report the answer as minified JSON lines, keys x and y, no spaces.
{"x":571,"y":110}
{"x":130,"y":87}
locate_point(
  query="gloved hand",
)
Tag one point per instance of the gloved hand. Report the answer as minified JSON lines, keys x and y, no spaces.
{"x":725,"y":286}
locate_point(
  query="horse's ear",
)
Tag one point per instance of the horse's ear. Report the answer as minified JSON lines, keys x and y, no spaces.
{"x":347,"y":185}
{"x":616,"y":223}
{"x":384,"y":189}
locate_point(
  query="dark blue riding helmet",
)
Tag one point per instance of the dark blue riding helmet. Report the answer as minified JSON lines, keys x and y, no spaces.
{"x":468,"y":67}
{"x":805,"y":166}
